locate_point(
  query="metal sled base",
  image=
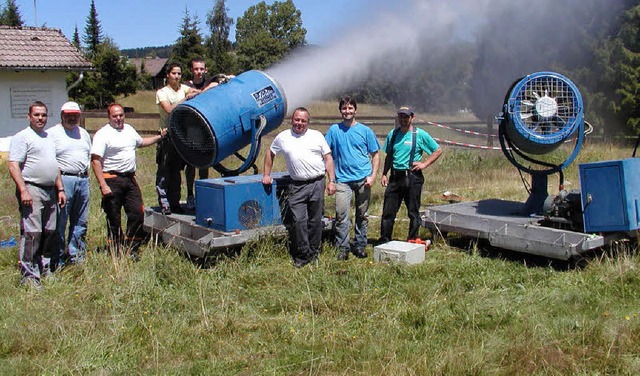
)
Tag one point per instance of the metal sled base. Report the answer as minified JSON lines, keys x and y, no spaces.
{"x":498,"y":222}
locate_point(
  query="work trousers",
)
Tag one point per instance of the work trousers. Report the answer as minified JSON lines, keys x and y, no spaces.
{"x":407,"y":187}
{"x":168,"y":178}
{"x":306,"y":202}
{"x":39,"y":251}
{"x":125,"y":193}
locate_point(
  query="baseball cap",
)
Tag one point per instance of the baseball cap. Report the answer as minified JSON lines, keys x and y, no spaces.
{"x":70,"y":108}
{"x":405,"y":110}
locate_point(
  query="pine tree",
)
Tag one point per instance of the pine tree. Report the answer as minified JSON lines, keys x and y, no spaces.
{"x":189,"y":44}
{"x":218,"y":44}
{"x":76,"y":38}
{"x":92,"y":31}
{"x":10,"y":15}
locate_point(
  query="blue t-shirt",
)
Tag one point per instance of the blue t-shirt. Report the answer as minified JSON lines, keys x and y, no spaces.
{"x":402,"y":147}
{"x":350,"y":149}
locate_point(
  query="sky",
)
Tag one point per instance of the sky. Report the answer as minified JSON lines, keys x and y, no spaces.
{"x":148,"y":23}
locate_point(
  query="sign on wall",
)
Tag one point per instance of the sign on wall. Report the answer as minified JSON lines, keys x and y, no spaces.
{"x":22,"y":97}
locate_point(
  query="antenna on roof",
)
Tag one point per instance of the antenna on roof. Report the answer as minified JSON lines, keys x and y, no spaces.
{"x":35,"y":12}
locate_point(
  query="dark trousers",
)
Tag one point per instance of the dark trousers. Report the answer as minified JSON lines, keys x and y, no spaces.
{"x":306,"y":202}
{"x":168,"y":178}
{"x":125,"y":193}
{"x":407,"y":187}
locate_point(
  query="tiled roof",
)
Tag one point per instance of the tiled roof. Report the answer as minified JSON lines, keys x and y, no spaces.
{"x":39,"y":48}
{"x":153,"y":66}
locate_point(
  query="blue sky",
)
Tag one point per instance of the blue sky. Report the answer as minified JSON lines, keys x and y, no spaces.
{"x":142,"y":23}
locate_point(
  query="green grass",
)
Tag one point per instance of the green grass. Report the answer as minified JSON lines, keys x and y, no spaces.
{"x":462,"y":311}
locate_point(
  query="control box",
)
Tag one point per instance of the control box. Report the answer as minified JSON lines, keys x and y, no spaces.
{"x":610,"y":194}
{"x":240,"y":202}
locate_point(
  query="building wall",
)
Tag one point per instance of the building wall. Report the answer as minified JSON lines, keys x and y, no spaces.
{"x":19,"y":89}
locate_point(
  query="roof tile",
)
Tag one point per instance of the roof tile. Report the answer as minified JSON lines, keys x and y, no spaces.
{"x":38,"y":48}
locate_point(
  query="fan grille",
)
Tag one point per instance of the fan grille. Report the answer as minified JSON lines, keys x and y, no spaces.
{"x":250,"y":214}
{"x":547,"y":106}
{"x":192,"y":136}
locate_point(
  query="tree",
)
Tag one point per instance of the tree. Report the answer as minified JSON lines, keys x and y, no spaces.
{"x":265,"y":34}
{"x":218,"y":44}
{"x":113,"y":76}
{"x":10,"y":15}
{"x":76,"y":38}
{"x":189,"y":44}
{"x":92,"y":31}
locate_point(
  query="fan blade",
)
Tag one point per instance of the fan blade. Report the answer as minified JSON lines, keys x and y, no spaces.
{"x":526,"y":116}
{"x":528,"y":103}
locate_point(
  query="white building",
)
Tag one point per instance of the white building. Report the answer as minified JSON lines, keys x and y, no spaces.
{"x":34,"y":63}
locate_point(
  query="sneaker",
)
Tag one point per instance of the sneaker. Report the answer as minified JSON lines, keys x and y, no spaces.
{"x":343,"y":254}
{"x":191,"y":203}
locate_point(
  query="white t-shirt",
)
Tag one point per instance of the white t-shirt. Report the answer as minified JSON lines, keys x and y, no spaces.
{"x":117,"y":148}
{"x":303,"y":154}
{"x":73,"y":148}
{"x":167,"y":94}
{"x":36,"y":154}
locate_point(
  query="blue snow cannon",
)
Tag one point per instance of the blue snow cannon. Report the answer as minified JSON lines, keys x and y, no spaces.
{"x":223,"y":120}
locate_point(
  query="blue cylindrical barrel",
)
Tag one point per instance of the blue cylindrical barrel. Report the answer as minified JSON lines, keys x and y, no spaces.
{"x":221,"y":121}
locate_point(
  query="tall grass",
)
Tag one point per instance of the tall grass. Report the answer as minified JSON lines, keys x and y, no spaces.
{"x":462,"y":311}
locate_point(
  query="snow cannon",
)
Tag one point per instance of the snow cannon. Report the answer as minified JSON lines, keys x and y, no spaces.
{"x":541,"y":111}
{"x":223,"y":120}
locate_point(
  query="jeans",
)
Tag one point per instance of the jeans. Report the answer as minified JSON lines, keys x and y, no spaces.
{"x":76,"y":212}
{"x":344,"y":191}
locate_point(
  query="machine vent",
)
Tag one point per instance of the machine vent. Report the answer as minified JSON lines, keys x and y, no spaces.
{"x":250,"y":214}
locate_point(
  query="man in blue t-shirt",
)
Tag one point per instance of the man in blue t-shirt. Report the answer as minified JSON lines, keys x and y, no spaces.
{"x":404,"y":147}
{"x":356,"y":159}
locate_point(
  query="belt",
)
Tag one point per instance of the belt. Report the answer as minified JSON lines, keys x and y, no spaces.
{"x":113,"y":174}
{"x":41,"y":186}
{"x":312,"y":180}
{"x":82,"y":174}
{"x":399,"y":173}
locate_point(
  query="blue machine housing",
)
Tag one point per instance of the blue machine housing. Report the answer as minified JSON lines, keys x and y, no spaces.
{"x":610,"y":192}
{"x":221,"y":121}
{"x":240,"y":202}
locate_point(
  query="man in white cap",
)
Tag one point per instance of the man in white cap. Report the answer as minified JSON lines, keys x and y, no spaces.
{"x":73,"y":146}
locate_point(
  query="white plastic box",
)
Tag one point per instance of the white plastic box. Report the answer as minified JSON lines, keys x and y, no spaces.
{"x":399,"y":252}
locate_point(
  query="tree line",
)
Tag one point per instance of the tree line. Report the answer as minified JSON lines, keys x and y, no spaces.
{"x":595,"y":43}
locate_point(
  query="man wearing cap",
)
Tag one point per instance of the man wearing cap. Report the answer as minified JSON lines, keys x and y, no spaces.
{"x":355,"y":153}
{"x":33,"y":168}
{"x":73,"y":145}
{"x":404,"y":147}
{"x":113,"y":159}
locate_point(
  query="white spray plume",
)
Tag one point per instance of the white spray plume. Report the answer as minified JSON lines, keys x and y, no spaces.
{"x":394,"y":39}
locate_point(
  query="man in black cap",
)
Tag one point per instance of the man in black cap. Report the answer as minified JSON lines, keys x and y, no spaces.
{"x":404,"y":147}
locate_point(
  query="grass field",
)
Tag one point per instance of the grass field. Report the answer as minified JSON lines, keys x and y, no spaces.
{"x":464,"y":311}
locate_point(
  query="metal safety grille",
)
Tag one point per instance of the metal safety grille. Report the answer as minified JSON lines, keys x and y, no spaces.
{"x":192,"y":136}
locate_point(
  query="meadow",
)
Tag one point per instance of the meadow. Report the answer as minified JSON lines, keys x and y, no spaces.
{"x":464,"y":311}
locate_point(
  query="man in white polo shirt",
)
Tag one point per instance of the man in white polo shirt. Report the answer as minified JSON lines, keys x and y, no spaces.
{"x":308,"y":158}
